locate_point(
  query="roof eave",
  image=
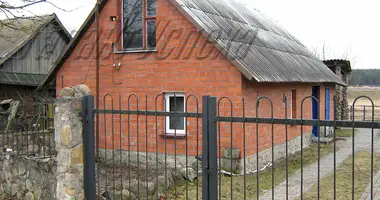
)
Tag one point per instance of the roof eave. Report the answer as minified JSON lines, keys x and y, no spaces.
{"x":235,"y":62}
{"x":75,"y":40}
{"x":248,"y":74}
{"x":62,"y":27}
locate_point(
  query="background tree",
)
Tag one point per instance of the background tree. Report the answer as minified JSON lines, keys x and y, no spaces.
{"x":325,"y":52}
{"x":12,"y":12}
{"x":369,"y":77}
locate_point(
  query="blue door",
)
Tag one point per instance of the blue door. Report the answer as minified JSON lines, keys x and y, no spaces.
{"x":328,"y":109}
{"x":315,"y":93}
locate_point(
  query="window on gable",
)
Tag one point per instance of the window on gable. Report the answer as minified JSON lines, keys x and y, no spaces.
{"x":293,"y":104}
{"x":175,"y":102}
{"x":139,"y":24}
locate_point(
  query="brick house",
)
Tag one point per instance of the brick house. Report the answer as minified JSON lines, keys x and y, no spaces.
{"x":199,"y":47}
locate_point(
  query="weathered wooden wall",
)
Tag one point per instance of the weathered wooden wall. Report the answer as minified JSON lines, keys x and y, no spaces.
{"x":39,"y":55}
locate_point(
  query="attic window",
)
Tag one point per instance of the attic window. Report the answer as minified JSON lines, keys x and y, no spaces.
{"x":139,"y":24}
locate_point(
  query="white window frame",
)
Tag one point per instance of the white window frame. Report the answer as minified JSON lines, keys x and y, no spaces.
{"x":176,"y":132}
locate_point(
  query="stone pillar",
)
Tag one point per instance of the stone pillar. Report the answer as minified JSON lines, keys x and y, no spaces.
{"x":69,"y":142}
{"x":338,"y":110}
{"x":345,"y":107}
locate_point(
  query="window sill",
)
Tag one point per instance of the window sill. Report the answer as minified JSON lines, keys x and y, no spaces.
{"x":134,"y":51}
{"x":172,"y":136}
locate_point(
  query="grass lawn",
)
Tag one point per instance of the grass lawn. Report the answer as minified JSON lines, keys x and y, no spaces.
{"x":345,"y":132}
{"x":310,"y":155}
{"x":344,"y":178}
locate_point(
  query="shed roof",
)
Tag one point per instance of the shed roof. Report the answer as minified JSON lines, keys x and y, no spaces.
{"x":17,"y":32}
{"x":345,"y":64}
{"x":260,"y":48}
{"x":21,"y":79}
{"x":14,"y":33}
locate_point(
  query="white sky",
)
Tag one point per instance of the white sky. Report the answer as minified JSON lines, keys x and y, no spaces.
{"x":345,"y":26}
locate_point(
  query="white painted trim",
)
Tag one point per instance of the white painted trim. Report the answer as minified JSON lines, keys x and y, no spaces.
{"x":174,"y":132}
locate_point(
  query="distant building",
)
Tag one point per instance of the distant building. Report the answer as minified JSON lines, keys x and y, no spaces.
{"x":342,"y":68}
{"x":29,"y":48}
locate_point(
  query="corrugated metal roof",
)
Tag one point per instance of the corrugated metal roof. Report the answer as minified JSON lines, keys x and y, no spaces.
{"x":345,"y":63}
{"x":257,"y":45}
{"x":15,"y":32}
{"x":21,"y":78}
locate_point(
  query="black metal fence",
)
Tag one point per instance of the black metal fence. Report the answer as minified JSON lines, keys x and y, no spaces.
{"x":27,"y":126}
{"x":178,"y":147}
{"x":364,"y":112}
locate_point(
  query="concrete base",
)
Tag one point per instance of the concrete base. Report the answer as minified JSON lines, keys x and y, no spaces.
{"x":265,"y":156}
{"x":135,"y":159}
{"x":139,"y":159}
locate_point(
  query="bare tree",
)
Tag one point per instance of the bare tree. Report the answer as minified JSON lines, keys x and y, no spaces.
{"x":325,"y":52}
{"x":14,"y":12}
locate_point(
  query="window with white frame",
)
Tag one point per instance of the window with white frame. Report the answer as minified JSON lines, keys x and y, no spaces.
{"x":175,"y":102}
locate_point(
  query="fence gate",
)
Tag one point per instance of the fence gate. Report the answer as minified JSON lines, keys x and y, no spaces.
{"x":177,"y":147}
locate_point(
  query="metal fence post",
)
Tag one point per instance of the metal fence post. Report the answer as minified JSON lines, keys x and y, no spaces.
{"x":364,"y":114}
{"x":209,"y":151}
{"x":89,"y":148}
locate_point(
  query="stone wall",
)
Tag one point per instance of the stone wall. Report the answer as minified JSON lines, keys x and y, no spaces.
{"x":167,"y":162}
{"x":28,"y":178}
{"x":265,"y":156}
{"x":338,"y":100}
{"x":342,"y":108}
{"x":69,"y":143}
{"x":57,"y":177}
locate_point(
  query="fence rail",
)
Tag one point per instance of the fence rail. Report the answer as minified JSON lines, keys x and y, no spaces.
{"x":27,"y":127}
{"x":364,"y":112}
{"x":178,"y":147}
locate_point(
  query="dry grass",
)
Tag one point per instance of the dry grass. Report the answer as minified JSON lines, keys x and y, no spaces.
{"x":265,"y":178}
{"x":345,"y":132}
{"x":372,"y":92}
{"x":344,"y":178}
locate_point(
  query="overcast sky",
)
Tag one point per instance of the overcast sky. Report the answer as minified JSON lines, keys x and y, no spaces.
{"x":346,"y":27}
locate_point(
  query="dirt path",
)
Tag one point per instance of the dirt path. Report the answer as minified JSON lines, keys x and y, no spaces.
{"x":310,"y":175}
{"x":376,"y":185}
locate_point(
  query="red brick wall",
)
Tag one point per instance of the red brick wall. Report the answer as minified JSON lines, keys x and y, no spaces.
{"x":196,"y":71}
{"x":276,"y":92}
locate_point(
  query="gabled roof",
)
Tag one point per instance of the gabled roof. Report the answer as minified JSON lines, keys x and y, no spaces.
{"x":71,"y":46}
{"x":261,"y":49}
{"x":14,"y":34}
